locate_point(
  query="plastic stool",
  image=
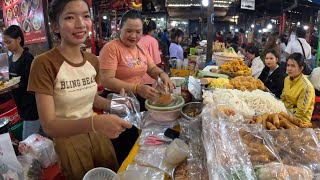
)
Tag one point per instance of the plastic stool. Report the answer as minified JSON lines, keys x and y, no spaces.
{"x":316,"y":113}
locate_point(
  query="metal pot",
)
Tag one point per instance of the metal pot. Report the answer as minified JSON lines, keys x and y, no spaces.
{"x":191,"y":110}
{"x":4,"y":125}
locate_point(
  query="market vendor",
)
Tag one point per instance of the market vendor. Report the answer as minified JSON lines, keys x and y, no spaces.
{"x":298,"y":93}
{"x":256,"y":62}
{"x":175,"y":49}
{"x":123,"y":63}
{"x":64,"y":81}
{"x":272,"y":76}
{"x":19,"y":66}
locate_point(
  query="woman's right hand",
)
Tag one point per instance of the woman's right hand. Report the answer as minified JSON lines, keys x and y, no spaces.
{"x":110,"y":125}
{"x":147,"y":92}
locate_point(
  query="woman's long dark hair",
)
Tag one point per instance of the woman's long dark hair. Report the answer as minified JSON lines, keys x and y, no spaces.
{"x":176,"y":33}
{"x":299,"y":58}
{"x":149,"y":25}
{"x":15,"y":32}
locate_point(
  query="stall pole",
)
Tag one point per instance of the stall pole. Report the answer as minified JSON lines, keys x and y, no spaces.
{"x":210,"y":22}
{"x":100,"y":30}
{"x":310,"y":30}
{"x":318,"y":50}
{"x":93,"y":46}
{"x":283,"y":23}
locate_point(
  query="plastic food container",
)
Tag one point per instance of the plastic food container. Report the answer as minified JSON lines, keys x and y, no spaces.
{"x":165,"y":114}
{"x":220,"y":59}
{"x":100,"y":173}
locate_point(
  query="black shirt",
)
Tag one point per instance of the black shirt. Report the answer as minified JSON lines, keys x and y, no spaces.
{"x":275,"y":81}
{"x":25,"y":101}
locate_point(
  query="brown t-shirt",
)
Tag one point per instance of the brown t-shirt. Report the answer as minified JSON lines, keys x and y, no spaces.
{"x":73,"y":86}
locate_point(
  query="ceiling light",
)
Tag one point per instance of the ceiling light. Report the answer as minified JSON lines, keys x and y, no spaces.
{"x":104,"y":17}
{"x":205,"y":3}
{"x":305,"y":27}
{"x":269,"y":26}
{"x":252,"y":25}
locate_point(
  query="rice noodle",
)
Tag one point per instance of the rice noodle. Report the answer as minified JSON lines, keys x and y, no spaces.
{"x":247,"y":103}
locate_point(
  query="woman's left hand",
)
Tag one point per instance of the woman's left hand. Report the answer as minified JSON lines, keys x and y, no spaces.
{"x":167,"y":81}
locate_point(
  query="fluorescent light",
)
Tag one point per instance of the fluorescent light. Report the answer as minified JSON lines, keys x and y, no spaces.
{"x":305,"y":27}
{"x":264,"y":30}
{"x":252,"y":25}
{"x":260,"y":31}
{"x":104,"y":17}
{"x":236,"y":30}
{"x":173,"y":23}
{"x":162,"y":19}
{"x":269,"y":26}
{"x":205,"y":3}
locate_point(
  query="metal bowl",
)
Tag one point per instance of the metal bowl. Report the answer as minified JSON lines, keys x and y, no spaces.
{"x":191,"y":110}
{"x":4,"y":125}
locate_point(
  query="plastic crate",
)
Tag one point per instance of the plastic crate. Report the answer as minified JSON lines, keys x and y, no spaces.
{"x":16,"y":131}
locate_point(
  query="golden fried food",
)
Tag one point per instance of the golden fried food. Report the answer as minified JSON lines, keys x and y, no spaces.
{"x":236,"y":66}
{"x":246,"y":83}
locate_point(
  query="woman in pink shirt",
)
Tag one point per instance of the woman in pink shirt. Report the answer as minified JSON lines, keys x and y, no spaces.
{"x":151,"y":44}
{"x":123,"y":63}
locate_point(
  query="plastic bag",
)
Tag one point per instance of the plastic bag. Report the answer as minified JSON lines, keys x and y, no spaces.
{"x":153,"y":156}
{"x":127,"y":107}
{"x":223,"y":112}
{"x":227,"y":156}
{"x":297,"y":147}
{"x":10,"y":167}
{"x":259,"y":145}
{"x":164,"y":97}
{"x":150,"y":172}
{"x":31,"y":167}
{"x":39,"y":147}
{"x":159,"y":133}
{"x":280,"y":171}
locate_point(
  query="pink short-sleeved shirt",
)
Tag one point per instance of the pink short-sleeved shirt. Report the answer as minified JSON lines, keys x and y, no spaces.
{"x":152,"y":45}
{"x":130,"y":64}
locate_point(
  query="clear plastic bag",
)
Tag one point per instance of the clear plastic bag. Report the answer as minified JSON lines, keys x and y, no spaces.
{"x":31,"y":167}
{"x":151,"y":173}
{"x":40,"y":147}
{"x":159,"y":133}
{"x":260,"y":147}
{"x":298,"y":148}
{"x":127,"y":107}
{"x":223,"y":112}
{"x":164,"y":97}
{"x":153,"y":156}
{"x":10,"y":167}
{"x":227,"y":156}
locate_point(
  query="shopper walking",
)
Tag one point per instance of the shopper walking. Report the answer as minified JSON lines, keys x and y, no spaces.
{"x":19,"y":66}
{"x":300,"y":45}
{"x":64,"y":81}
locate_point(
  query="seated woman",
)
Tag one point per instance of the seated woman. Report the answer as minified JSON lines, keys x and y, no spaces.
{"x":298,"y":93}
{"x":272,"y":76}
{"x":256,"y":62}
{"x":123,"y":63}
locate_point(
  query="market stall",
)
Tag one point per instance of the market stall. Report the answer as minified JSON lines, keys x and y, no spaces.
{"x":220,"y":123}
